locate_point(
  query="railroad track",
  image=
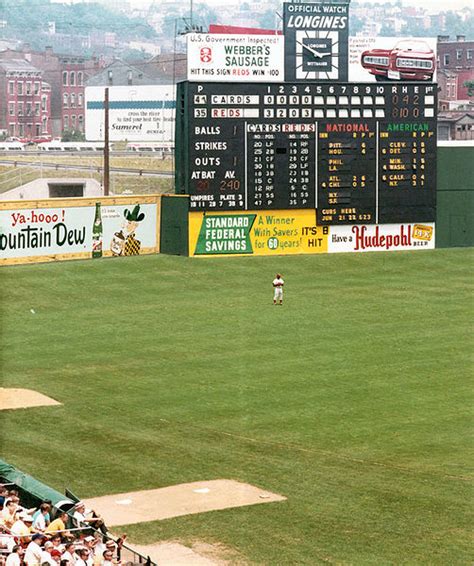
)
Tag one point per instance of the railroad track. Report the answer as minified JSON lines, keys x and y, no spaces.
{"x":87,"y":168}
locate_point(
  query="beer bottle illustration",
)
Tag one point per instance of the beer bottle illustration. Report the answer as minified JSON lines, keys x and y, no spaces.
{"x":97,"y":232}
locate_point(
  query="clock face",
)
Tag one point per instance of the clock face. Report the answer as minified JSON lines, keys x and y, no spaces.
{"x":317,"y":55}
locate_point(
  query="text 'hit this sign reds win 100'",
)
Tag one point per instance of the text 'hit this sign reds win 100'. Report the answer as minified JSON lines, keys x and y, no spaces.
{"x":358,"y":153}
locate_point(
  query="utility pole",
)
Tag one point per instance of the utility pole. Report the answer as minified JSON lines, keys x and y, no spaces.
{"x":106,"y":144}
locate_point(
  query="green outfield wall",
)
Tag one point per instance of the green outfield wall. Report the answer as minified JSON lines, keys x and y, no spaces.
{"x":455,"y":195}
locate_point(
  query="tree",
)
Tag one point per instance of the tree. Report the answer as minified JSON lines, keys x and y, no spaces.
{"x":470,"y":87}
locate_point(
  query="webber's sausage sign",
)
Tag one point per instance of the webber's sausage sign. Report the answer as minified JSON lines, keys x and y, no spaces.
{"x":235,"y":58}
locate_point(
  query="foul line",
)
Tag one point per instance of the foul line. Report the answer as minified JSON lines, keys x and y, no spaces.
{"x":313,"y":451}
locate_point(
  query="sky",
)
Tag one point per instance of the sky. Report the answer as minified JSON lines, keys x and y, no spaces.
{"x":431,"y":5}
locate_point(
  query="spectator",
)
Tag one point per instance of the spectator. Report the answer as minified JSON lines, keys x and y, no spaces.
{"x":56,"y":556}
{"x":89,"y":543}
{"x":40,"y":518}
{"x":15,"y":557}
{"x":59,"y":524}
{"x":69,"y":553}
{"x":107,"y":558}
{"x":56,"y":540}
{"x":46,"y":558}
{"x":22,"y":527}
{"x":83,"y":557}
{"x":33,"y":550}
{"x":9,"y":513}
{"x":87,"y":518}
{"x":7,"y":542}
{"x":3,"y":495}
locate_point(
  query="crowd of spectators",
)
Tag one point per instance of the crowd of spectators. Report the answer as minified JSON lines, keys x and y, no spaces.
{"x":33,"y":537}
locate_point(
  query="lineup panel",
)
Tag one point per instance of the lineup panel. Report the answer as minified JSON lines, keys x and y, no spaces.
{"x":358,"y":153}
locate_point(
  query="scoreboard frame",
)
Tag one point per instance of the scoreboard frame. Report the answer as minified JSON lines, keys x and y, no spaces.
{"x":358,"y":153}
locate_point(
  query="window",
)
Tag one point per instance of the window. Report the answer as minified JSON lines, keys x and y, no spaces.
{"x":72,"y":78}
{"x":11,"y":109}
{"x":458,"y":54}
{"x":37,"y":108}
{"x":12,"y":129}
{"x":111,"y":77}
{"x":11,"y":87}
{"x":37,"y":87}
{"x":21,"y":130}
{"x":73,"y":121}
{"x":19,"y":86}
{"x":37,"y":130}
{"x":80,"y":100}
{"x":73,"y":100}
{"x":446,"y":59}
{"x":44,"y":124}
{"x":469,"y":54}
{"x":81,"y":122}
{"x":64,"y":78}
{"x":28,"y":88}
{"x":29,"y":109}
{"x":44,"y":100}
{"x":65,"y":100}
{"x":66,"y":123}
{"x":80,"y":78}
{"x":20,"y":109}
{"x":129,"y":77}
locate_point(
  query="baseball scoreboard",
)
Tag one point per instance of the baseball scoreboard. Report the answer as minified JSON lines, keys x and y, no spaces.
{"x":358,"y":153}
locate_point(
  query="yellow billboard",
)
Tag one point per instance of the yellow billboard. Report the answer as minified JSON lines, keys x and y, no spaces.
{"x":275,"y":232}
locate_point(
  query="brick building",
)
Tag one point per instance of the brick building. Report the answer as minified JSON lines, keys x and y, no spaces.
{"x":66,"y":76}
{"x":25,"y":101}
{"x":455,"y":67}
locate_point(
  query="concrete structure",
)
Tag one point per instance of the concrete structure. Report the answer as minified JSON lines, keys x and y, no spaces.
{"x":55,"y":188}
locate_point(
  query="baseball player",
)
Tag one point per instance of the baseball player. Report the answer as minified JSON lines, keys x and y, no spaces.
{"x":278,"y":289}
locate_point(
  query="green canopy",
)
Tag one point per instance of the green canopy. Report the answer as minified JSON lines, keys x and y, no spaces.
{"x":34,"y":491}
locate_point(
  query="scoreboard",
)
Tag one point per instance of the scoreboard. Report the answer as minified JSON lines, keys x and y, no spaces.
{"x":358,"y":153}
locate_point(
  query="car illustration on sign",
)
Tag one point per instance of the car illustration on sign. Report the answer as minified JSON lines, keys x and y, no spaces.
{"x":408,"y":60}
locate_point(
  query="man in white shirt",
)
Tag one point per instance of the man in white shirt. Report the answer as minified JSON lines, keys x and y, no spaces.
{"x":34,"y":551}
{"x":15,"y":557}
{"x":278,"y":289}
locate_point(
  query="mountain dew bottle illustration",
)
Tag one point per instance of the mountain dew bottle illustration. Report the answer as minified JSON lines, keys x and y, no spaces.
{"x":97,"y":232}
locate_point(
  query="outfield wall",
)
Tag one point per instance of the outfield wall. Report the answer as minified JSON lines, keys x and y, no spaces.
{"x":455,"y":195}
{"x":61,"y":229}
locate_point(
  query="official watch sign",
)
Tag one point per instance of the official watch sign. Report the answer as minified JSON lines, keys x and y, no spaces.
{"x":235,"y":58}
{"x":316,"y":41}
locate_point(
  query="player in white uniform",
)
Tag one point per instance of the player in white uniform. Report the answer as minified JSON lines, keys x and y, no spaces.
{"x":278,"y":289}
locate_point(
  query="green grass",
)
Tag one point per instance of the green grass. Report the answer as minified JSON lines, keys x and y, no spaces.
{"x":353,"y":399}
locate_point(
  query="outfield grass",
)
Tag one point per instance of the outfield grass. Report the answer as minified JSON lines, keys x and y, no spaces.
{"x":353,"y":399}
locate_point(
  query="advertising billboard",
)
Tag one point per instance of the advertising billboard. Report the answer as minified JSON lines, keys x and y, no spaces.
{"x":392,"y":59}
{"x":136,"y":113}
{"x":289,"y":232}
{"x":316,"y":41}
{"x":235,"y":58}
{"x":47,"y":230}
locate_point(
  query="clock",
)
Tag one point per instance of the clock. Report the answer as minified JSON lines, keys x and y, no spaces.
{"x":317,"y":55}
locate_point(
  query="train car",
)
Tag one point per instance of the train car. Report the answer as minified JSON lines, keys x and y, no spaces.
{"x":166,"y":148}
{"x":12,"y":146}
{"x":72,"y":146}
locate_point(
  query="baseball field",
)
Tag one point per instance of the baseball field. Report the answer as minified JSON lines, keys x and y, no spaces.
{"x":353,"y":400}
